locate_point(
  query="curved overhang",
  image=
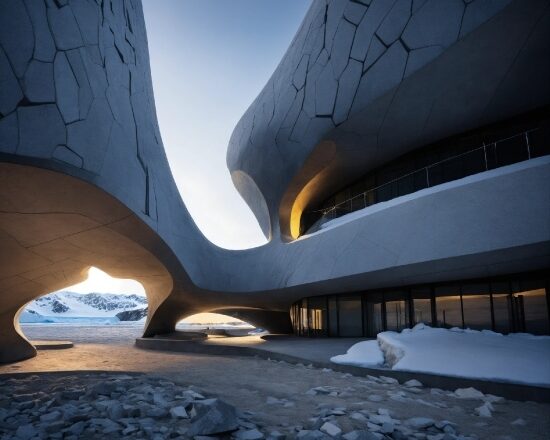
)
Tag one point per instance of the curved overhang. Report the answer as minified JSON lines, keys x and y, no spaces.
{"x":493,"y":69}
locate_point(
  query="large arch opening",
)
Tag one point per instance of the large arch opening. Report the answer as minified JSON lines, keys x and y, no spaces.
{"x":77,"y":312}
{"x":53,"y":228}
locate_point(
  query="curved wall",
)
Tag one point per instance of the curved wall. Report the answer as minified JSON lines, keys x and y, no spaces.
{"x":77,"y":112}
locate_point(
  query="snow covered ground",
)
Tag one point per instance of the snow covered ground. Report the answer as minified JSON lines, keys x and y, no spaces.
{"x":518,"y":357}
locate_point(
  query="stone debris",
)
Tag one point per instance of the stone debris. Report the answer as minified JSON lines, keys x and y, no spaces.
{"x":101,"y":405}
{"x":331,"y":391}
{"x":413,"y":383}
{"x":276,"y":435}
{"x":179,"y":412}
{"x":468,"y":393}
{"x":250,"y":434}
{"x":388,"y":380}
{"x":275,"y":401}
{"x":115,"y":406}
{"x":485,"y":410}
{"x":420,"y":422}
{"x":331,"y":429}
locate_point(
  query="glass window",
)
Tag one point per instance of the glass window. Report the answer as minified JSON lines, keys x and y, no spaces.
{"x":511,"y":150}
{"x":397,"y":310}
{"x":373,"y":314}
{"x":477,"y":311}
{"x":350,"y":316}
{"x":422,"y":311}
{"x":397,"y":315}
{"x":539,"y":141}
{"x":317,"y":316}
{"x":501,"y":306}
{"x":448,"y":306}
{"x":476,"y":304}
{"x":333,"y":316}
{"x":304,"y":326}
{"x":422,"y":305}
{"x":535,"y":310}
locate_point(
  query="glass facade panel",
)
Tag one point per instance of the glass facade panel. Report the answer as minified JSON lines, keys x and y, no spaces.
{"x":317,"y":313}
{"x":422,"y":311}
{"x":304,"y":330}
{"x":374,"y":321}
{"x":476,"y":305}
{"x":448,"y":306}
{"x":397,"y":315}
{"x":501,"y":310}
{"x":350,"y":316}
{"x":422,"y":305}
{"x":333,"y":316}
{"x":374,"y":318}
{"x":535,"y":311}
{"x":477,"y":311}
{"x":516,"y":305}
{"x":502,"y":307}
{"x":538,"y":141}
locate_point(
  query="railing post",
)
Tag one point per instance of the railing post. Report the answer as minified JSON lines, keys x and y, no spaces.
{"x":427,"y":177}
{"x":485,"y":154}
{"x":528,"y":146}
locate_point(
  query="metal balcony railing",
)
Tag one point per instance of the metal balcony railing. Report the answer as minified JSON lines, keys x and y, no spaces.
{"x":502,"y":152}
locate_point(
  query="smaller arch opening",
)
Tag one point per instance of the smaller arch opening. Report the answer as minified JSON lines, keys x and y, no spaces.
{"x":216,"y":324}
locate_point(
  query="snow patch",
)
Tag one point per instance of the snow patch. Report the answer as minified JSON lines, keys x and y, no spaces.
{"x":517,"y":357}
{"x":362,"y":354}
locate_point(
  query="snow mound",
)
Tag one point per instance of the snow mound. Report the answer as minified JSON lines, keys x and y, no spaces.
{"x":517,"y":357}
{"x":362,"y":354}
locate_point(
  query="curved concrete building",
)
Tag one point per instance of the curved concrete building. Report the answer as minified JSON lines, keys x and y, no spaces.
{"x":397,"y":160}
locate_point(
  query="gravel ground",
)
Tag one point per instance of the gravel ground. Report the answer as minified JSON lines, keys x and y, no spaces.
{"x":294,"y":399}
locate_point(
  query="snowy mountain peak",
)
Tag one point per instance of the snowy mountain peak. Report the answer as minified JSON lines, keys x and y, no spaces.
{"x":71,"y":304}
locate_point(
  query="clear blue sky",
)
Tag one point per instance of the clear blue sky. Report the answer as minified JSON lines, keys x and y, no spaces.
{"x":209,"y":60}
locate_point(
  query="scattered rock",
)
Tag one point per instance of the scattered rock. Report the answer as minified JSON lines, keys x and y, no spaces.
{"x":360,"y":435}
{"x":331,"y":429}
{"x":485,"y":410}
{"x":251,"y":434}
{"x":388,"y":380}
{"x":50,"y":417}
{"x":519,"y":422}
{"x":213,"y":417}
{"x":420,"y":422}
{"x":276,"y":435}
{"x":179,"y":412}
{"x":468,"y":393}
{"x":413,"y":383}
{"x":26,"y":431}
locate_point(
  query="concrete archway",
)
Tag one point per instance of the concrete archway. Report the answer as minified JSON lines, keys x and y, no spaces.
{"x":55,"y":227}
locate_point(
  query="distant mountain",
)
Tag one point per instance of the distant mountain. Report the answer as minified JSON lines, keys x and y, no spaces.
{"x":71,"y":305}
{"x":132,"y":315}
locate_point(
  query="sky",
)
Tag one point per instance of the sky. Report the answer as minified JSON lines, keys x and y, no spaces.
{"x":209,"y":60}
{"x":100,"y":282}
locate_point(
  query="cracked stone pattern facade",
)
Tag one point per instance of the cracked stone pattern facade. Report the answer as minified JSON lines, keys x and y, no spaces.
{"x":76,"y":88}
